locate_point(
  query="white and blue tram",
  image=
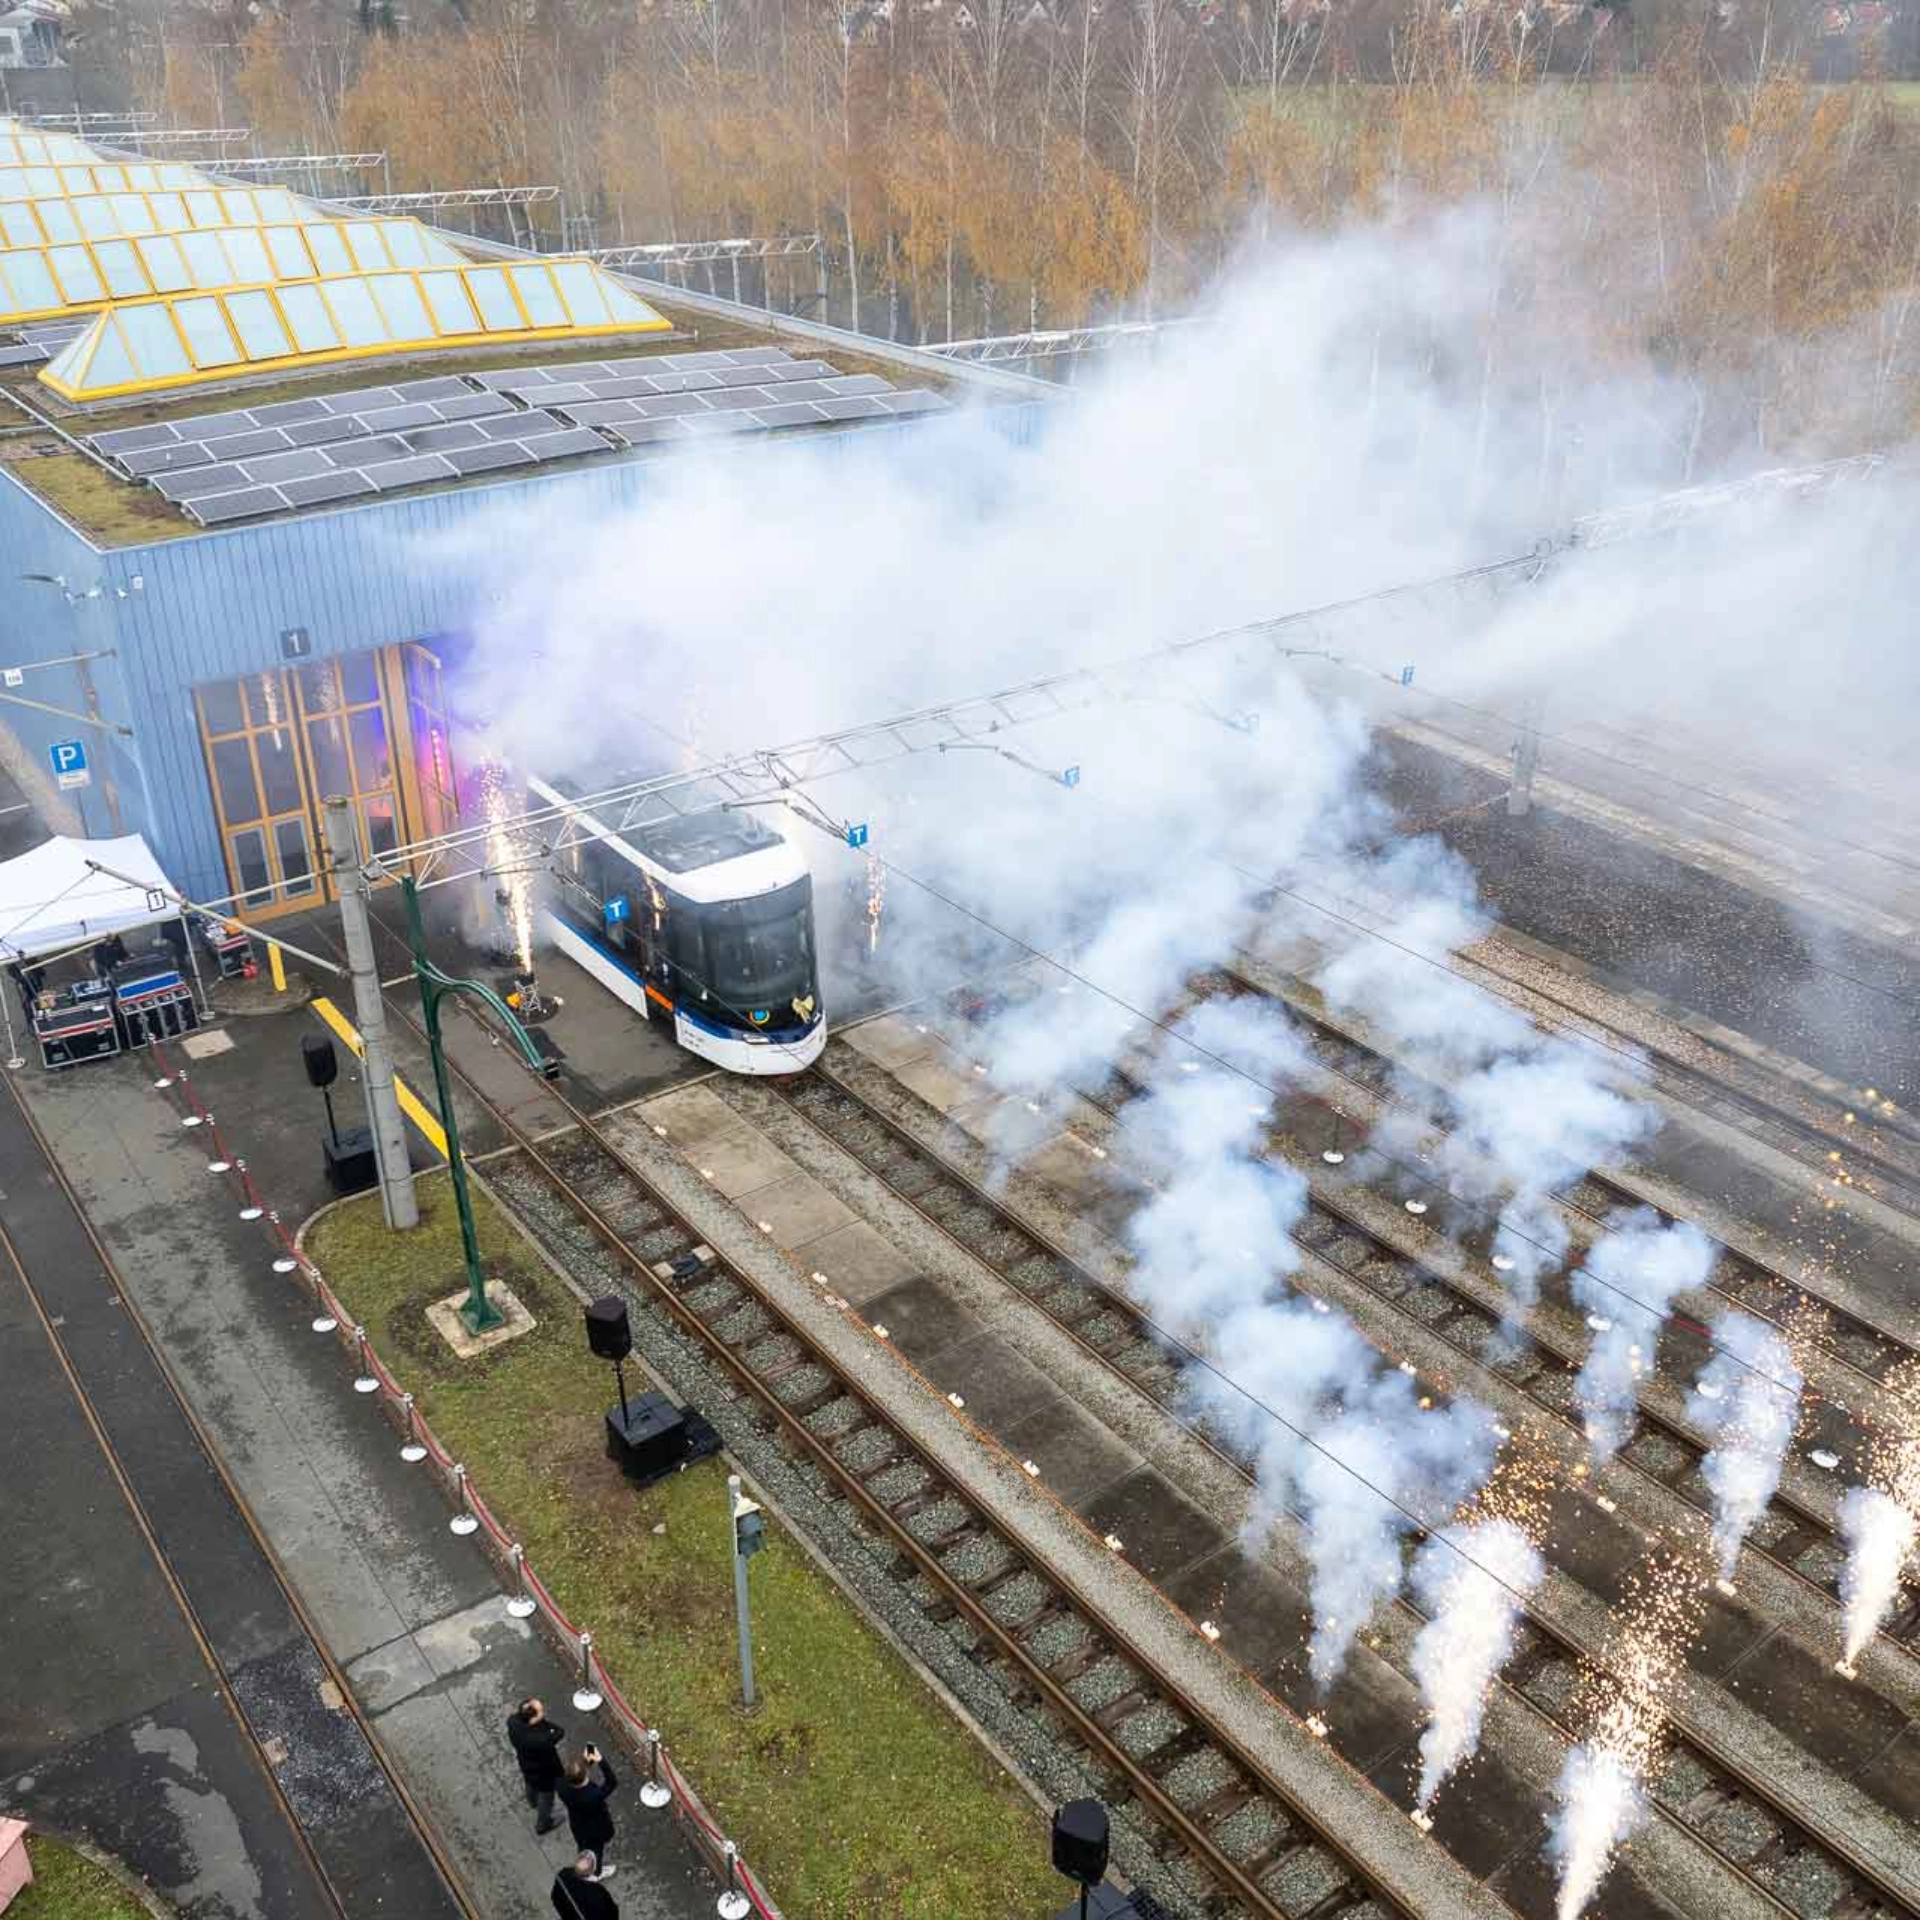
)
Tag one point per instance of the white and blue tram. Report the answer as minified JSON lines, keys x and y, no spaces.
{"x":703,"y":922}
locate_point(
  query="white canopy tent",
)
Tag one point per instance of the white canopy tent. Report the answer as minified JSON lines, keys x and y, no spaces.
{"x":65,"y":894}
{"x":55,"y":898}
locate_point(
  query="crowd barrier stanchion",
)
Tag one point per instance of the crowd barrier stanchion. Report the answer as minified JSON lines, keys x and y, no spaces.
{"x":654,"y":1792}
{"x":462,"y":1522}
{"x":365,"y":1381}
{"x":733,"y":1904}
{"x":521,"y":1605}
{"x":587,"y":1698}
{"x":411,"y":1451}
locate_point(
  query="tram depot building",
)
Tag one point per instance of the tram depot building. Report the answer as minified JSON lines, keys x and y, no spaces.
{"x":233,"y":422}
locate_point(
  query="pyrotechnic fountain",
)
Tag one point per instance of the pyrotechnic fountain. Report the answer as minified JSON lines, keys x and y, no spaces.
{"x":507,"y":862}
{"x":1880,"y":1521}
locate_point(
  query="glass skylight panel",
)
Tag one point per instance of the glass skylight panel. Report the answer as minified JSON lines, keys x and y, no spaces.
{"x":313,"y":326}
{"x":94,"y":216}
{"x":329,"y":250}
{"x":207,"y":337}
{"x":18,"y":225}
{"x":276,"y":203}
{"x":622,"y":303}
{"x":202,"y":210}
{"x":288,"y":251}
{"x":399,"y":298}
{"x":447,"y":298}
{"x":254,"y":319}
{"x":153,"y":340}
{"x":247,"y":255}
{"x":79,"y":278}
{"x":406,"y":243}
{"x":495,"y":300}
{"x":206,"y":259}
{"x":361,"y":324}
{"x":111,"y":365}
{"x":32,"y":282}
{"x":120,"y":267}
{"x":536,"y":290}
{"x":578,"y":287}
{"x":68,"y":361}
{"x":58,"y":220}
{"x":363,"y":242}
{"x":76,"y":179}
{"x":132,"y":212}
{"x":166,"y":265}
{"x":169,"y":212}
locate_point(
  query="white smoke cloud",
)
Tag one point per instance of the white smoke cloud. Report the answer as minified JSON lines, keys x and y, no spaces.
{"x":1880,"y":1534}
{"x":1628,"y":1283}
{"x":1601,"y":1804}
{"x":1748,"y":1399}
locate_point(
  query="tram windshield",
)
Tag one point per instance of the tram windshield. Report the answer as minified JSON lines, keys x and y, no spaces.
{"x":760,"y":952}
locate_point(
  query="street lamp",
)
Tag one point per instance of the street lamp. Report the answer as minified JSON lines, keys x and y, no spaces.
{"x":478,"y":1314}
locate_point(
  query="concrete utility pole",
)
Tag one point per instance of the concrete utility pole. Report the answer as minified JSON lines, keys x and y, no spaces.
{"x":1526,"y":757}
{"x":749,"y":1530}
{"x":383,"y":1103}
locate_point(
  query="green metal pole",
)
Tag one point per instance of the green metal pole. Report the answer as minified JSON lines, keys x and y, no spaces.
{"x":479,"y":1314}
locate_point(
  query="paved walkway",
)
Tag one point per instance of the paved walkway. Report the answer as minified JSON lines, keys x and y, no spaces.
{"x":411,"y":1611}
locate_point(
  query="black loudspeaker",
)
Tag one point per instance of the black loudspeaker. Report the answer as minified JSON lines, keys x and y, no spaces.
{"x":608,"y":1332}
{"x":351,"y":1165}
{"x":1080,"y":1841}
{"x":323,"y":1064}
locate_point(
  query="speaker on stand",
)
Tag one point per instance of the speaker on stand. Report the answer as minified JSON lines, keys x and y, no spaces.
{"x":1080,"y":1840}
{"x":648,"y":1436}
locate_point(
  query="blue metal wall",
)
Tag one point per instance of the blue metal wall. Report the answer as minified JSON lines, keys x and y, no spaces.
{"x":213,"y":607}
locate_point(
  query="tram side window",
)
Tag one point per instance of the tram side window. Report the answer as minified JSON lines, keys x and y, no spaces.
{"x":686,"y":950}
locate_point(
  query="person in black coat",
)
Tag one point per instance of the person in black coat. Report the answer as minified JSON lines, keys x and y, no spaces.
{"x":578,"y":1896}
{"x":585,"y":1800}
{"x":536,"y":1745}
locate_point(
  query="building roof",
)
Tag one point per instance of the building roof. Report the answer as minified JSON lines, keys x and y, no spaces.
{"x":195,"y":352}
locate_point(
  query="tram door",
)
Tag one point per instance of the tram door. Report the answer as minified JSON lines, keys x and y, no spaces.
{"x":371,"y":726}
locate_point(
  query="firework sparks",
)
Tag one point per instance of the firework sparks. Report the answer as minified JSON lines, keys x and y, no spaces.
{"x":1602,"y":1790}
{"x":876,"y":899}
{"x":507,"y":861}
{"x":1475,"y":1580}
{"x":1748,"y":1399}
{"x":1880,"y":1521}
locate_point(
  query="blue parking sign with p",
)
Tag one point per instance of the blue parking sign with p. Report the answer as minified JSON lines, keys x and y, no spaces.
{"x":68,"y":759}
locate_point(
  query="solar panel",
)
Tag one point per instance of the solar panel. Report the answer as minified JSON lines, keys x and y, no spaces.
{"x":804,"y":390}
{"x":675,"y":380}
{"x":288,"y":413}
{"x":859,"y":383}
{"x":237,"y":446}
{"x":794,"y":415}
{"x":508,"y":379}
{"x":458,"y":433}
{"x":236,"y":506}
{"x":622,"y":389}
{"x":393,"y":419}
{"x":360,"y":400}
{"x":372,"y":453}
{"x":732,"y":399}
{"x":325,"y":486}
{"x":562,"y":392}
{"x":739,"y":376}
{"x":523,"y":426}
{"x":803,"y":370}
{"x":757,"y":356}
{"x":410,"y":473}
{"x":487,"y":458}
{"x":319,"y":433}
{"x":24,"y":355}
{"x":472,"y":406}
{"x":852,"y":407}
{"x":168,"y":459}
{"x":442,"y":386}
{"x":132,"y":439}
{"x":214,"y":426}
{"x":562,"y":446}
{"x":596,"y":413}
{"x":302,"y":464}
{"x":201,"y":481}
{"x":664,"y":406}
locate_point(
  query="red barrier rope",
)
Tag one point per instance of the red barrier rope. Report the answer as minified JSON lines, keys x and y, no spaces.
{"x":685,"y":1803}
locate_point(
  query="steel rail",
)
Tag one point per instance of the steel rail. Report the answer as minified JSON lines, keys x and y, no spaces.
{"x":1863,"y":1870}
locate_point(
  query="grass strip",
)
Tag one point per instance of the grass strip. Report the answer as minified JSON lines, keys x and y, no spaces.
{"x":852,"y":1789}
{"x":68,"y":1886}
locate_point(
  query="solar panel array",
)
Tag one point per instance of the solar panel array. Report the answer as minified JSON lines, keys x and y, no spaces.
{"x":306,"y":452}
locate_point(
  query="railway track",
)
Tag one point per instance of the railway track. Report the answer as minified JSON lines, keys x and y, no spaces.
{"x":1144,"y":1738}
{"x":1768,"y":1845}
